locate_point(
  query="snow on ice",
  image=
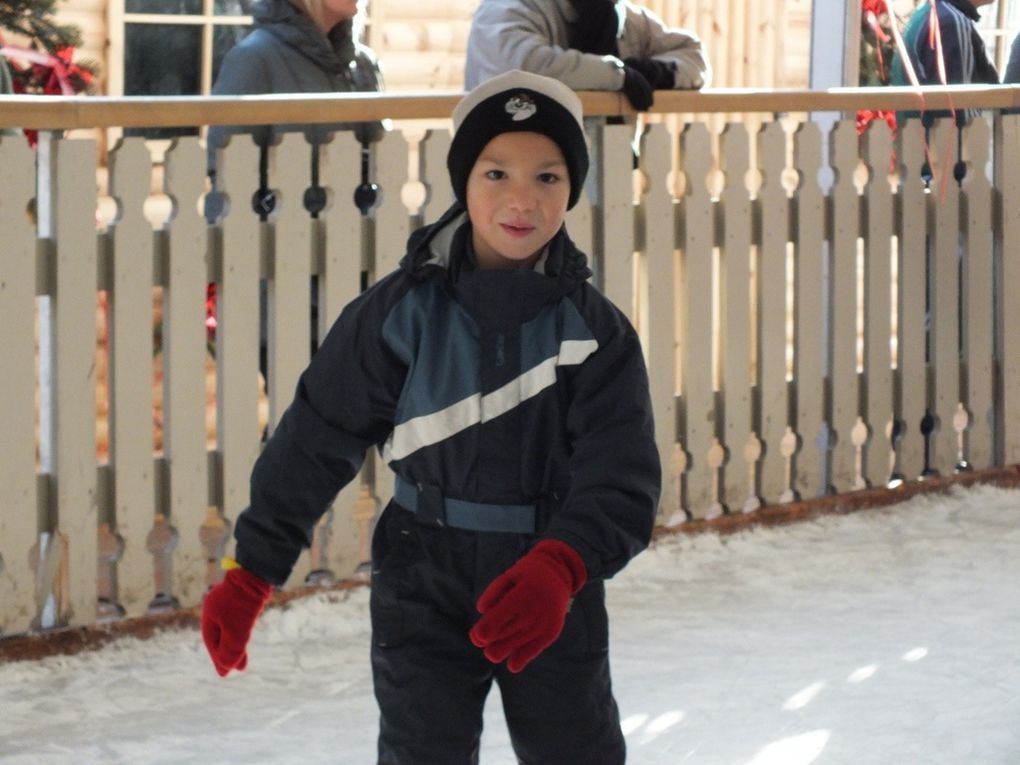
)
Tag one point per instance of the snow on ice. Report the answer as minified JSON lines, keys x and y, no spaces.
{"x":884,"y":637}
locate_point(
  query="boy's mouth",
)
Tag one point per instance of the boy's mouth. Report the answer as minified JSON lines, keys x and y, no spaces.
{"x":517,"y":229}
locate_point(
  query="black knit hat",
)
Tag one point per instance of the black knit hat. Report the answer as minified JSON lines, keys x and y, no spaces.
{"x":518,"y":102}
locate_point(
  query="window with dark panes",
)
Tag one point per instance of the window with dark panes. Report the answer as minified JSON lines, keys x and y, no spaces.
{"x":175,"y":48}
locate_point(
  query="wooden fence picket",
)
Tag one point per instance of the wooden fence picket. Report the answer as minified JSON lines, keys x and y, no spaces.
{"x":432,"y":166}
{"x":19,"y":517}
{"x":74,"y":347}
{"x":614,"y":256}
{"x":772,"y":234}
{"x":843,"y":302}
{"x":237,"y":332}
{"x":912,"y":370}
{"x":392,"y":228}
{"x":978,"y":298}
{"x":1007,"y":175}
{"x":878,"y":375}
{"x":341,"y":254}
{"x":185,"y":273}
{"x":697,"y":305}
{"x":129,"y":326}
{"x":944,"y":296}
{"x":392,"y":224}
{"x":808,"y":374}
{"x":736,"y":330}
{"x":288,"y":288}
{"x":661,"y":321}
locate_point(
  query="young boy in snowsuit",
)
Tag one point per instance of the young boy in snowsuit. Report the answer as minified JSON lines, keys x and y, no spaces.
{"x":511,"y":400}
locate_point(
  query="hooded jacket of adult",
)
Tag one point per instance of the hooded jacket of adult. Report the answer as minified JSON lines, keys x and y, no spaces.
{"x":489,"y":386}
{"x":534,"y":35}
{"x":963,"y":51}
{"x":1012,"y":73}
{"x":6,"y":88}
{"x":287,"y":53}
{"x":965,"y":58}
{"x":6,"y":81}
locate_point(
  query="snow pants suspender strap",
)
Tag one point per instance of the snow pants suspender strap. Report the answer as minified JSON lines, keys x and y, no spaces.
{"x":432,"y":508}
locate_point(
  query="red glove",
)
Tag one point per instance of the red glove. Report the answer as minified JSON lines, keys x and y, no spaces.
{"x":523,"y":610}
{"x":228,"y":616}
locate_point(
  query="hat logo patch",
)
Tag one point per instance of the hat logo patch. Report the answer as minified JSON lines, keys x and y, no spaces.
{"x":520,"y":107}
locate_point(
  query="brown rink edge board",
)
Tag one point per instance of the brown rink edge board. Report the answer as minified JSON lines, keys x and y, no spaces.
{"x":72,"y":640}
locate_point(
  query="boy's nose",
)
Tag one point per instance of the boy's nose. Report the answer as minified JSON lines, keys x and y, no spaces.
{"x":520,"y":196}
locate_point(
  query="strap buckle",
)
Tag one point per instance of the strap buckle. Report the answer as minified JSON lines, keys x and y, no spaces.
{"x":430,"y":508}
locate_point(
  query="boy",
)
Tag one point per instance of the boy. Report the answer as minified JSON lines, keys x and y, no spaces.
{"x":511,"y":400}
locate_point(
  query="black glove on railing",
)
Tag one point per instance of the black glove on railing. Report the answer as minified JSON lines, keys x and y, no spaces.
{"x":660,"y":74}
{"x":637,"y":89}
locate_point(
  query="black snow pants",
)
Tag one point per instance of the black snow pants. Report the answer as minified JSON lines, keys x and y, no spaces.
{"x":431,"y":681}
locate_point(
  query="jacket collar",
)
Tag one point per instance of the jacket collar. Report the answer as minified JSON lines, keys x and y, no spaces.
{"x":286,"y":22}
{"x":966,"y":8}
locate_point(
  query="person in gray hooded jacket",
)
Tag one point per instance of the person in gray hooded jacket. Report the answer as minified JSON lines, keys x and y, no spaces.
{"x":586,"y":45}
{"x":298,"y":46}
{"x":6,"y":88}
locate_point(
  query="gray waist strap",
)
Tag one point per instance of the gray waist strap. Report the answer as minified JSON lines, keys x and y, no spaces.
{"x":463,"y":514}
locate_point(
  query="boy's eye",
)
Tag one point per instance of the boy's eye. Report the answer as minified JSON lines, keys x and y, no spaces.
{"x":548,"y":177}
{"x":495,"y":175}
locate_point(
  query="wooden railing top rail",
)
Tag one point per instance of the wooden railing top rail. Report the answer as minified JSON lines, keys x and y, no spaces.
{"x":84,"y":112}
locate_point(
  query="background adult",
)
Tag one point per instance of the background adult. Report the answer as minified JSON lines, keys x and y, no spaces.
{"x":964,"y":56}
{"x":1012,"y":73}
{"x":6,"y":89}
{"x":298,"y":46}
{"x":587,"y":45}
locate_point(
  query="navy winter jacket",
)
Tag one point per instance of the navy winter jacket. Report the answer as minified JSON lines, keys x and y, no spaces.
{"x":494,"y":386}
{"x":963,"y":51}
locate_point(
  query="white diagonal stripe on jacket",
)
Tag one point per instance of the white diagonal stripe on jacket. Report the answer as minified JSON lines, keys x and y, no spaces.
{"x":428,"y":429}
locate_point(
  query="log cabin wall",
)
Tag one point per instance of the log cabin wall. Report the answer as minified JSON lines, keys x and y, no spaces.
{"x":422,"y":45}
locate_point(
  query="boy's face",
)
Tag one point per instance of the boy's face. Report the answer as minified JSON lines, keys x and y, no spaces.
{"x":517,"y":197}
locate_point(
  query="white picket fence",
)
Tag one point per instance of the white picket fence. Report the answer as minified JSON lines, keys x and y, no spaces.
{"x":812,"y":323}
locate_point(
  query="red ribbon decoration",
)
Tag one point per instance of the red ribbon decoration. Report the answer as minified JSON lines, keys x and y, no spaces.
{"x":59,"y":64}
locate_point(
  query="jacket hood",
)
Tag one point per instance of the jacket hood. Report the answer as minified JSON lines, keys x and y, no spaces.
{"x":443,"y":249}
{"x":289,"y":24}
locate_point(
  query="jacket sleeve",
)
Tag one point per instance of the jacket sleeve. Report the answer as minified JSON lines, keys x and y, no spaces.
{"x":369,"y":78}
{"x":344,"y":404}
{"x":507,"y":36}
{"x":952,"y":53}
{"x":1012,"y":75}
{"x":616,"y":476}
{"x":646,"y":35}
{"x":963,"y":52}
{"x":244,"y":72}
{"x":6,"y":88}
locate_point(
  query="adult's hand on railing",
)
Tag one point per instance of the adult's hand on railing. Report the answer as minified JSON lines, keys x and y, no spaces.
{"x":661,"y":75}
{"x":637,"y":89}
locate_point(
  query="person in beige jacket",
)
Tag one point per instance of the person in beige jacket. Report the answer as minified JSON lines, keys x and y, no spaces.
{"x":586,"y":45}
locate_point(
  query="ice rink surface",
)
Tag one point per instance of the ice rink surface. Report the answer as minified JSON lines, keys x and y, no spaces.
{"x":884,"y":637}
